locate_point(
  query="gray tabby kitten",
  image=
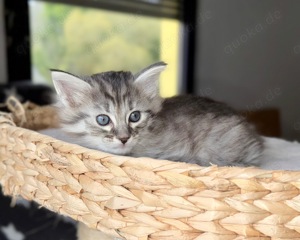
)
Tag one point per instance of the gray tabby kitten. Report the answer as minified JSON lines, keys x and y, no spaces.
{"x":122,"y":113}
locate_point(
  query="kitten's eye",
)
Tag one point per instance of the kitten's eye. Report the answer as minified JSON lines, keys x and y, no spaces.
{"x":135,"y":116}
{"x":103,"y":120}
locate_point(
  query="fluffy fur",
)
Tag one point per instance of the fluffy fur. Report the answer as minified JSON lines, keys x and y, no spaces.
{"x":183,"y":128}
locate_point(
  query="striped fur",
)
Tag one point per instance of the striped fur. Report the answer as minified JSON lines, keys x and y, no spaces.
{"x":183,"y":128}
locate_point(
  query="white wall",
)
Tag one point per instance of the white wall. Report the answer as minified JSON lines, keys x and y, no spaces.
{"x":248,"y":55}
{"x":3,"y":71}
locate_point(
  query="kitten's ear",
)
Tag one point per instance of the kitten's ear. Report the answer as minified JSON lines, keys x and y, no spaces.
{"x":147,"y":79}
{"x":70,"y":89}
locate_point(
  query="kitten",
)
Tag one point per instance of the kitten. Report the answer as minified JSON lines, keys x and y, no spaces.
{"x":122,"y":113}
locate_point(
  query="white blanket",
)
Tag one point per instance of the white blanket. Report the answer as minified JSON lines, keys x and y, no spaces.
{"x":279,"y":154}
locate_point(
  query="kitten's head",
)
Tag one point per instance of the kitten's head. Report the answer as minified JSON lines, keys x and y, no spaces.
{"x":108,"y":111}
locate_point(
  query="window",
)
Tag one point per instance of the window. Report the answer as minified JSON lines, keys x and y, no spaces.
{"x":85,"y":40}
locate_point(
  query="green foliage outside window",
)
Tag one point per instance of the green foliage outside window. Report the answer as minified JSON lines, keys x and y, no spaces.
{"x":86,"y":41}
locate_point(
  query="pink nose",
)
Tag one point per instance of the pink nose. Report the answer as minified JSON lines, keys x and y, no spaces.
{"x":124,"y":140}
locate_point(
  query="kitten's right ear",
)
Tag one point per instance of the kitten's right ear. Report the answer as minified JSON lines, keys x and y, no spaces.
{"x":147,"y":79}
{"x":70,"y":89}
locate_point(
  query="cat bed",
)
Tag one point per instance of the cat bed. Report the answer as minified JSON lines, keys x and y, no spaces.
{"x":142,"y":198}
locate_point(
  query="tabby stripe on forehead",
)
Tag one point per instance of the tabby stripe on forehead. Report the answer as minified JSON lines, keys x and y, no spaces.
{"x":109,"y":97}
{"x":118,"y":96}
{"x":75,"y":119}
{"x":103,"y":88}
{"x":126,"y":97}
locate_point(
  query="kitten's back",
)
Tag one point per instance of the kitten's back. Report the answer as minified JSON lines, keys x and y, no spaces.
{"x":195,"y":106}
{"x":200,"y":130}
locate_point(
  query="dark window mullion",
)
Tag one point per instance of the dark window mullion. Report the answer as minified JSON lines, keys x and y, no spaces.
{"x":189,"y":43}
{"x":17,"y":40}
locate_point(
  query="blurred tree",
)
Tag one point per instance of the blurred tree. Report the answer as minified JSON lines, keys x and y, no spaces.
{"x":86,"y":41}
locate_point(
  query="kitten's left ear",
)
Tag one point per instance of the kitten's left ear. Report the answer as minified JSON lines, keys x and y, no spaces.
{"x":70,"y":89}
{"x":147,"y":79}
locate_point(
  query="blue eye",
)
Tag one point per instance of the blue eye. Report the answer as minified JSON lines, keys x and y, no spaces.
{"x":103,"y":120}
{"x":135,"y":116}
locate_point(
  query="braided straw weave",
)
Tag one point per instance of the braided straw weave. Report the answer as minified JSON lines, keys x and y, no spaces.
{"x":139,"y":198}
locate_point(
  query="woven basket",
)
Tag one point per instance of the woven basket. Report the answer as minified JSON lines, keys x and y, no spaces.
{"x":142,"y":198}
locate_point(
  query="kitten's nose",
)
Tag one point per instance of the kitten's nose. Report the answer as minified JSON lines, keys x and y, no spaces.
{"x":124,"y":139}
